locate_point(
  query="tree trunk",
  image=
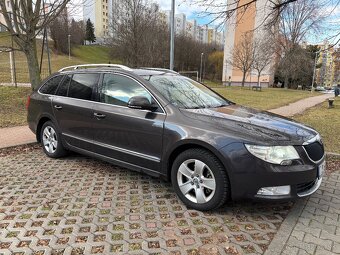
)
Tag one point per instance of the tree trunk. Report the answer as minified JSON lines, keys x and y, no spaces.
{"x":30,"y":51}
{"x":258,"y":79}
{"x":286,"y":82}
{"x":243,"y":79}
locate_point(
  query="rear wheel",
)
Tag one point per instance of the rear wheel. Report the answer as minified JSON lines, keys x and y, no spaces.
{"x":200,"y":180}
{"x":51,"y":142}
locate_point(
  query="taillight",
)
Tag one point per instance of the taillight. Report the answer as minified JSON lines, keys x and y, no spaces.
{"x":28,"y":102}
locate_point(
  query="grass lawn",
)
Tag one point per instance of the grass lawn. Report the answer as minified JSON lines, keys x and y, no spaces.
{"x":326,"y":121}
{"x":93,"y":54}
{"x":12,"y":106}
{"x":268,"y":98}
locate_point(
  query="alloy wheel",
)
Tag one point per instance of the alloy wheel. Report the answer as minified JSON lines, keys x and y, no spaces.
{"x":50,"y":141}
{"x":196,"y":181}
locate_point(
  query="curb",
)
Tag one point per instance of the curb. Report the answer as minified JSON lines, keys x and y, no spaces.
{"x":332,"y":154}
{"x":278,"y":243}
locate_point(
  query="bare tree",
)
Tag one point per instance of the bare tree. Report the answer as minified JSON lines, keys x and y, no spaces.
{"x":263,"y":55}
{"x":136,"y":32}
{"x":25,"y":20}
{"x":224,"y":10}
{"x":297,"y":20}
{"x":296,"y":67}
{"x":243,"y":55}
{"x":58,"y":35}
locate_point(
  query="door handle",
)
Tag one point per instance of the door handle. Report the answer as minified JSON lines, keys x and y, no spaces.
{"x":58,"y":107}
{"x":99,"y":115}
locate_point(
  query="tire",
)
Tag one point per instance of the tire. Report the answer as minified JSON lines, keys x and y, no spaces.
{"x":203,"y":180}
{"x":50,"y":140}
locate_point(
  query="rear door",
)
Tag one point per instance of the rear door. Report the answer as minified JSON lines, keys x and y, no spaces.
{"x":73,"y":108}
{"x":130,"y":135}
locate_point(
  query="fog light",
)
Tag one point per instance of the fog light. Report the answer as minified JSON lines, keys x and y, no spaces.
{"x":274,"y":191}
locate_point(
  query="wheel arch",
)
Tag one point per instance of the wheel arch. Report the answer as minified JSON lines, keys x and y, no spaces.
{"x":43,"y":119}
{"x":191,"y":144}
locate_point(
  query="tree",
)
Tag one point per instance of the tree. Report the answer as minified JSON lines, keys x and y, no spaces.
{"x":297,"y":20}
{"x":24,"y":21}
{"x":215,"y":66}
{"x":139,"y":37}
{"x":243,"y":55}
{"x":263,"y":54}
{"x":89,"y":34}
{"x":296,"y":67}
{"x":77,"y":30}
{"x":60,"y":36}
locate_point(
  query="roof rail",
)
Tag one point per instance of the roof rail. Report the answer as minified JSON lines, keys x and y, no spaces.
{"x":160,"y":69}
{"x":75,"y":67}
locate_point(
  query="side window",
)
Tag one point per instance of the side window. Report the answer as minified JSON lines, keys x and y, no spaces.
{"x":82,"y":84}
{"x":117,"y":90}
{"x":51,"y":85}
{"x":63,"y":86}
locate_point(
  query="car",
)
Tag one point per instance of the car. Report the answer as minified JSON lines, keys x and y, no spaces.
{"x":320,"y":88}
{"x":169,"y":126}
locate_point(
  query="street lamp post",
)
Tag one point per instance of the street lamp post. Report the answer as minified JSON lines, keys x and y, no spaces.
{"x":69,"y":47}
{"x":201,"y":66}
{"x":172,"y":35}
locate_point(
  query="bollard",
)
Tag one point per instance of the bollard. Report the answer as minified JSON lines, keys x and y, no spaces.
{"x":330,"y":102}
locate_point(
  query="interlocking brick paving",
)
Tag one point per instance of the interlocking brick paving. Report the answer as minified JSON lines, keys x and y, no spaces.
{"x":317,"y":228}
{"x":78,"y":205}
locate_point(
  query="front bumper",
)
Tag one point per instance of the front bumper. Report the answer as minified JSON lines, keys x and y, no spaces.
{"x":249,"y":174}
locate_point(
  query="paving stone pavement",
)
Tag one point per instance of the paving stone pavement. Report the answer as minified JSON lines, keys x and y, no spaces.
{"x":313,"y":226}
{"x":77,"y":205}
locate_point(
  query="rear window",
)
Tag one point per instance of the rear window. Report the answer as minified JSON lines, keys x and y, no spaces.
{"x":81,"y":85}
{"x":50,"y":87}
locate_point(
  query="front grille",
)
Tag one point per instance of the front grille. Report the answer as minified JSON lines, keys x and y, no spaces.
{"x":303,"y":187}
{"x":315,"y":151}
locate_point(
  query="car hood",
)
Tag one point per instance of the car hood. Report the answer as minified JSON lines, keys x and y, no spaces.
{"x":258,"y":127}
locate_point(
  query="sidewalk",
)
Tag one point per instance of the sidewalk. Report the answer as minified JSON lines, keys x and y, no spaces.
{"x":301,"y":105}
{"x":14,"y":136}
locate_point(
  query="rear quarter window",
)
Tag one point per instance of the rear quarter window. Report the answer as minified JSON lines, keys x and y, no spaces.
{"x":50,"y":86}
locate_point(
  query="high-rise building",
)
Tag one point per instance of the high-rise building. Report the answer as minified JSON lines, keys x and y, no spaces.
{"x":243,"y":21}
{"x":2,"y":19}
{"x":100,"y":14}
{"x":328,"y":59}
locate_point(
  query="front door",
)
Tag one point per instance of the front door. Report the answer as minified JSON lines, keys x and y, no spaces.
{"x":129,"y":135}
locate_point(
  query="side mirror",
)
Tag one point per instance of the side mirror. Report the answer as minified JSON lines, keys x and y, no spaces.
{"x":142,"y":103}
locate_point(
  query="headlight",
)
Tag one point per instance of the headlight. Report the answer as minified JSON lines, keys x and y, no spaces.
{"x":281,"y":155}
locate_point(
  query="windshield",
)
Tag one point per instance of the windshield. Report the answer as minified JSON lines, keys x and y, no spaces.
{"x":186,"y":93}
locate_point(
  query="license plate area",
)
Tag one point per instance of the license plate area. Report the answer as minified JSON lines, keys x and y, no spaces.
{"x":321,"y":169}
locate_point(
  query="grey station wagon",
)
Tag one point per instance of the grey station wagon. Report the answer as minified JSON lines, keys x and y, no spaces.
{"x":161,"y":123}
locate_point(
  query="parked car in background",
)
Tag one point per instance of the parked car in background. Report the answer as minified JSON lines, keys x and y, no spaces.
{"x":167,"y":125}
{"x":320,"y":88}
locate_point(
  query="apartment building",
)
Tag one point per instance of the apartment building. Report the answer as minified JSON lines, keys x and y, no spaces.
{"x":329,"y":61}
{"x":241,"y":22}
{"x":191,"y":28}
{"x":100,"y":14}
{"x":2,"y":19}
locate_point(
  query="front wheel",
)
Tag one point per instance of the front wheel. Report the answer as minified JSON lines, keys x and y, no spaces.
{"x":200,"y":180}
{"x":51,"y":141}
